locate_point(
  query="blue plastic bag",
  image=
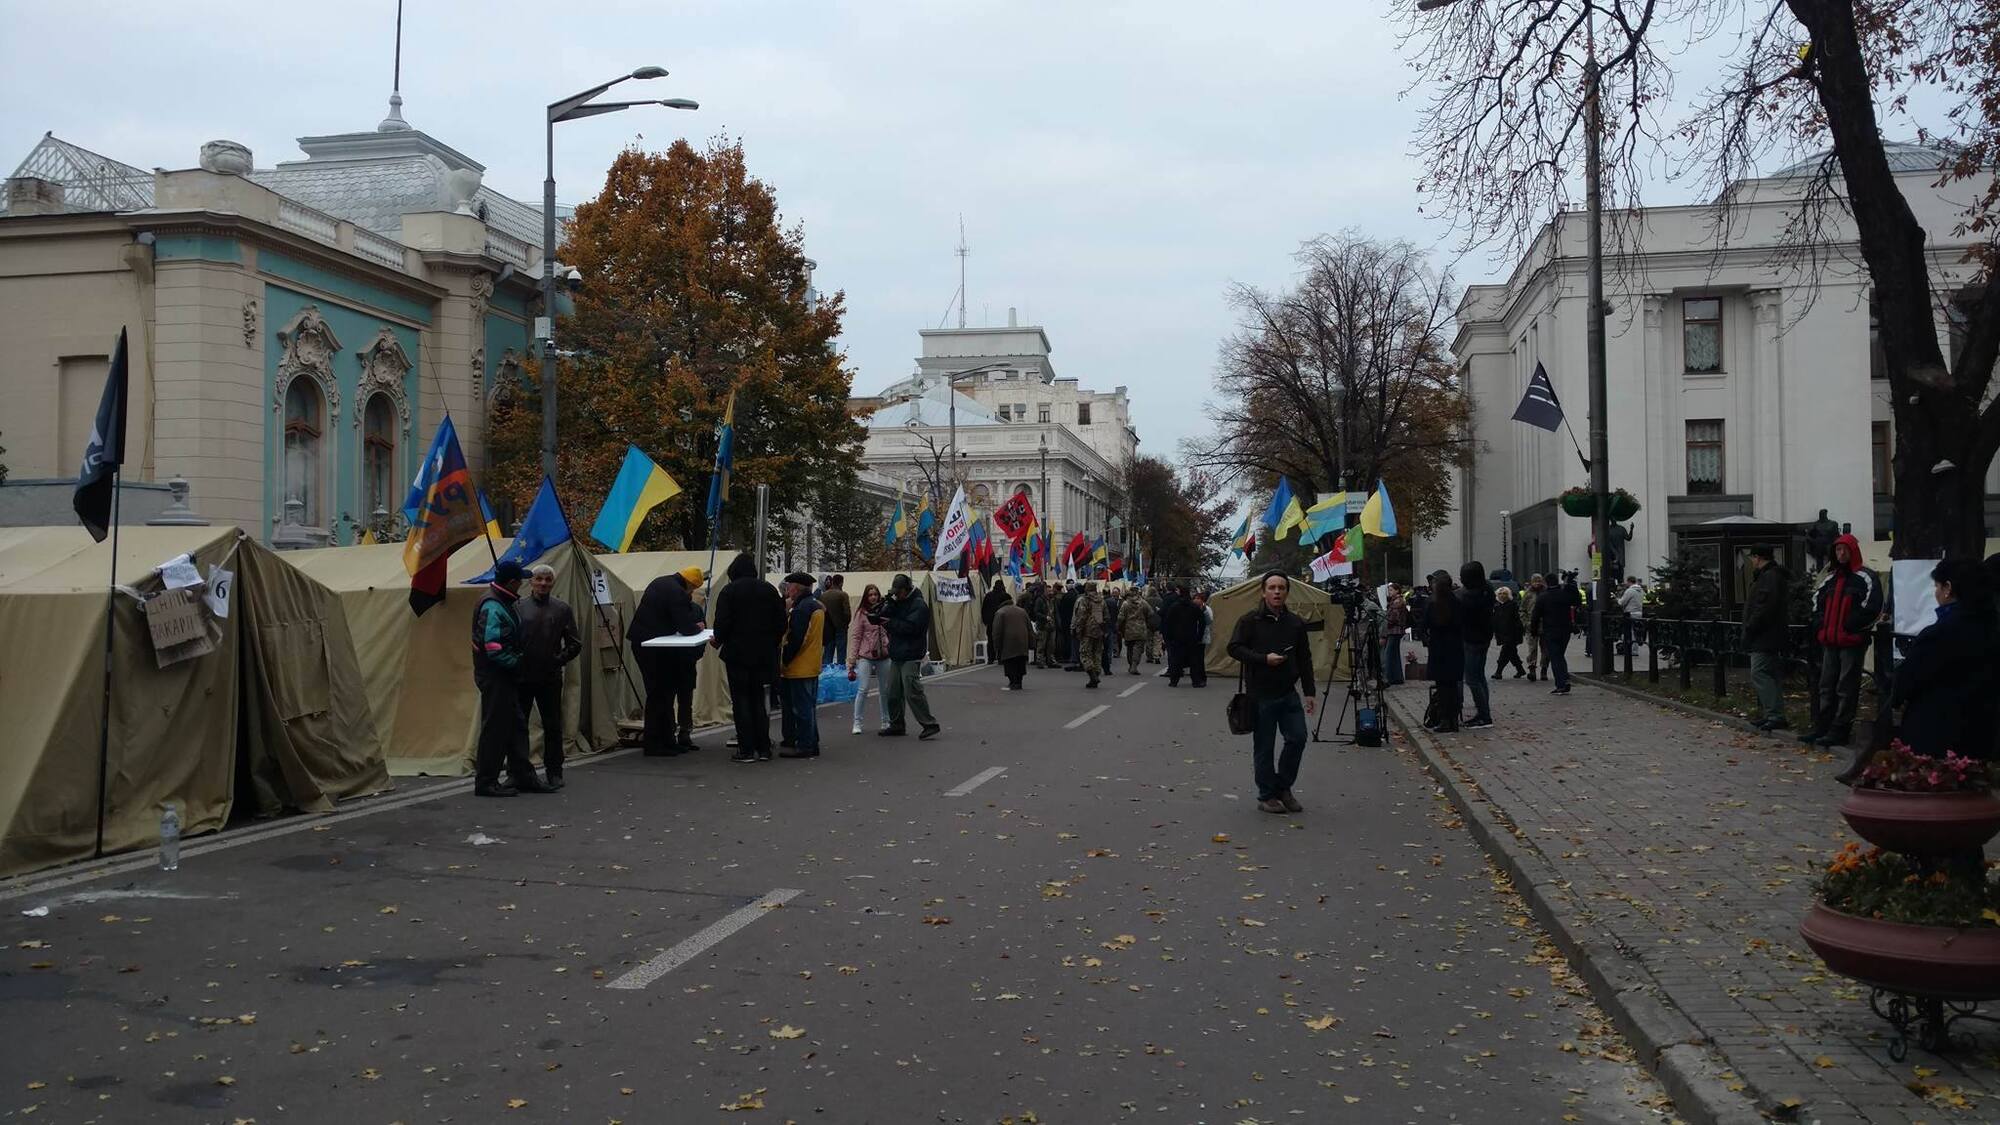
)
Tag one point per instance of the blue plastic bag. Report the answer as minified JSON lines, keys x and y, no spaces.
{"x":834,"y":686}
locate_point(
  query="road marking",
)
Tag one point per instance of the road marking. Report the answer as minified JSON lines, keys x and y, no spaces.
{"x":642,"y":975}
{"x":1087,"y":716}
{"x":1130,"y":690}
{"x":978,"y":779}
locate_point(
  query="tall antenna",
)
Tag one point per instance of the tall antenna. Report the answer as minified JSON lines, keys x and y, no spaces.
{"x":394,"y":123}
{"x":963,"y":252}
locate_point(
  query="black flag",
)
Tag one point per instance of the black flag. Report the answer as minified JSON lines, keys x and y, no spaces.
{"x":1539,"y":406}
{"x":98,"y":476}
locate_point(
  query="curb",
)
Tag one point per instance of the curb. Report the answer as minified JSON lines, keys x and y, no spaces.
{"x":1670,"y":1045}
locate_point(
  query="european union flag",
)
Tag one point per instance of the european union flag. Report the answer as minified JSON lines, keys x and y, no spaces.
{"x":545,"y":529}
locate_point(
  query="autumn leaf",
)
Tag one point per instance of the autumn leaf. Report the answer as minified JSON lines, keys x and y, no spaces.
{"x":1322,"y":1023}
{"x":1824,"y":1063}
{"x":1219,"y":838}
{"x":517,"y":1103}
{"x":225,"y":1080}
{"x":788,"y":1032}
{"x":386,"y":910}
{"x":936,"y":920}
{"x":752,"y":1100}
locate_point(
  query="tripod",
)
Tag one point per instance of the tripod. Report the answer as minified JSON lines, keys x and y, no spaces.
{"x":1360,"y":639}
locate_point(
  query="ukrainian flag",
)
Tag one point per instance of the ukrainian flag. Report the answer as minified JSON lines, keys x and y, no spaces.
{"x":641,"y":486}
{"x":1378,"y":516}
{"x":1240,"y":541}
{"x":1324,"y":518}
{"x":725,"y":462}
{"x":1098,"y":552}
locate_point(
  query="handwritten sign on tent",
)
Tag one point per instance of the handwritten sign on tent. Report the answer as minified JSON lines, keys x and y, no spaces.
{"x":178,"y":623}
{"x":954,"y":589}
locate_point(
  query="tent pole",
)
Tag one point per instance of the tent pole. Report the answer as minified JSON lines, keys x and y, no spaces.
{"x":589,"y":567}
{"x":104,"y":726}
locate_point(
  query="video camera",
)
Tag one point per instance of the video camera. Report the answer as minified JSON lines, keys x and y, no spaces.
{"x":1345,"y":591}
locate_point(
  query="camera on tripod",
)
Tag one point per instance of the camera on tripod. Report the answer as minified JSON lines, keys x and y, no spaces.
{"x":1345,"y":591}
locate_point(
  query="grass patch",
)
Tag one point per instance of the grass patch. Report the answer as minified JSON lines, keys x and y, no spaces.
{"x":1740,"y":702}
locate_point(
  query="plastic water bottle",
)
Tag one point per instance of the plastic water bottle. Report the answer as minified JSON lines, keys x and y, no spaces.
{"x":170,"y":838}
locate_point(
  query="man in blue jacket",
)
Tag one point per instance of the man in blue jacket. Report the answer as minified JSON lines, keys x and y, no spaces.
{"x":496,"y":664}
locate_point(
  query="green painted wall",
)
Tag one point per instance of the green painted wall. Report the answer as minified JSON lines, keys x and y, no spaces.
{"x":197,"y":247}
{"x":360,"y":292}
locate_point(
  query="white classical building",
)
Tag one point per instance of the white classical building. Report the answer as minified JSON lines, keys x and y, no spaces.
{"x":1743,"y":377}
{"x":1019,"y":428}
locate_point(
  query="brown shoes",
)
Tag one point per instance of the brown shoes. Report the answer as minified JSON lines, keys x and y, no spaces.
{"x":1290,"y":802}
{"x":1272,"y":805}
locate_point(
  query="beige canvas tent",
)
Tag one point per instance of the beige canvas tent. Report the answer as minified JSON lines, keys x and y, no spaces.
{"x":418,"y":670}
{"x":275,"y":710}
{"x":1309,"y":602}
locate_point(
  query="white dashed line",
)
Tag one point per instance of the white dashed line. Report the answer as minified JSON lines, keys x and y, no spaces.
{"x":978,"y":779}
{"x":1087,"y":716}
{"x":1130,"y":690}
{"x":642,"y":975}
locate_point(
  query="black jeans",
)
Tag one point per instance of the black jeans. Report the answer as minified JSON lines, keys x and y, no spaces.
{"x":503,"y":732}
{"x":669,"y":686}
{"x":1555,"y":658}
{"x":1015,"y":667}
{"x":546,"y":696}
{"x":1285,"y":714}
{"x":1839,"y":689}
{"x":749,"y":688}
{"x":1509,"y":654}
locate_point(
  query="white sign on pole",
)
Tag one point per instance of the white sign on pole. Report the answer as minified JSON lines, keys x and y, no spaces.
{"x":955,"y":533}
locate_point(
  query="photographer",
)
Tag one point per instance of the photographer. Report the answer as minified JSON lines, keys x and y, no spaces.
{"x":1271,"y":643}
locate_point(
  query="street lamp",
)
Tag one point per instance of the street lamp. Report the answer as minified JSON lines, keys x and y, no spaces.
{"x":1600,"y":454}
{"x":951,"y":401}
{"x":570,"y":109}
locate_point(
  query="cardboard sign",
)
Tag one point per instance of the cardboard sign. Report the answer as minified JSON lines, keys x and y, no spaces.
{"x":954,"y":589}
{"x":178,"y":626}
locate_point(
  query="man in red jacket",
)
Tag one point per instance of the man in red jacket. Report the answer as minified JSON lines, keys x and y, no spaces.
{"x":1845,"y":608}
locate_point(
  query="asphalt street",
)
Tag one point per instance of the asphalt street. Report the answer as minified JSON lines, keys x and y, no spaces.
{"x":1067,"y":909}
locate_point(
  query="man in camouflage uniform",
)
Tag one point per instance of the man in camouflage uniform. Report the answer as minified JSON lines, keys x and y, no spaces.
{"x":1042,"y":611}
{"x":1090,"y":624}
{"x":1155,"y":599}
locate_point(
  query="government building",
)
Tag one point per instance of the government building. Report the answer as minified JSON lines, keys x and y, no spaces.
{"x":1745,"y":386}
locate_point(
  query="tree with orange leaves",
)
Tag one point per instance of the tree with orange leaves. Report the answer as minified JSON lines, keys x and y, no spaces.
{"x":691,"y":288}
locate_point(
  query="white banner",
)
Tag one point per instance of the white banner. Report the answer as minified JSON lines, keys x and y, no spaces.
{"x":953,"y":589}
{"x":952,"y":537}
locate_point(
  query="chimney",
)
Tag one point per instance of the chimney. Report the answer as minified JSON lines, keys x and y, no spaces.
{"x":1013,"y":318}
{"x":27,"y":195}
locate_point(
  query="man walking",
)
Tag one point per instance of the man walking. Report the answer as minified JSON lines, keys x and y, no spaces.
{"x":496,"y":665}
{"x":548,"y":642}
{"x":1764,"y":626}
{"x":667,"y":609}
{"x":1065,"y":639}
{"x":1508,"y":630}
{"x":1013,"y":640}
{"x":907,"y":619}
{"x":1553,"y":621}
{"x":996,"y":595}
{"x":1529,"y":595}
{"x":799,"y":665}
{"x":749,"y":625}
{"x":1133,"y":630}
{"x":1180,"y":628}
{"x":839,"y":615}
{"x":1198,"y":666}
{"x":1632,"y":604}
{"x":1108,"y":636}
{"x":1845,"y":607}
{"x":1089,"y":618}
{"x":1476,"y":601}
{"x":1271,"y":642}
{"x":1042,"y":612}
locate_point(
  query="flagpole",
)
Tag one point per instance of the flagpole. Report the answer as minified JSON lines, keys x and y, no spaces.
{"x":110,"y":622}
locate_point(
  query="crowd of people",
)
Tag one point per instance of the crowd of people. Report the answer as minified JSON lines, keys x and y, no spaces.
{"x":1086,"y":626}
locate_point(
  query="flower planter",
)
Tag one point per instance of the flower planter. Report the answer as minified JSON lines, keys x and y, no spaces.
{"x":1582,"y":504}
{"x":1937,"y":961}
{"x":1922,"y":824}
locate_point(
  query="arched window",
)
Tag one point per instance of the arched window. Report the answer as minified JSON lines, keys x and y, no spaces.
{"x":304,"y":424}
{"x":378,"y":456}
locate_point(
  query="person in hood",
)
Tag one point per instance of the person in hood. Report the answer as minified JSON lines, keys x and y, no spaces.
{"x":1846,"y":606}
{"x":496,"y":670}
{"x":667,"y":609}
{"x":995,"y":597}
{"x":1475,"y":598}
{"x":1766,"y":619}
{"x":749,"y":626}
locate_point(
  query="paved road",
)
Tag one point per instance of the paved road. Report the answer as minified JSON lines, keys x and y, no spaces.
{"x":1108,"y":930}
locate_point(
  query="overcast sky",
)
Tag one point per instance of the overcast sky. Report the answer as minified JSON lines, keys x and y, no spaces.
{"x":1117,"y":164}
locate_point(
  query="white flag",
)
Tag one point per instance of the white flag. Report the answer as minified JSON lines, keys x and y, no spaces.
{"x":955,"y":533}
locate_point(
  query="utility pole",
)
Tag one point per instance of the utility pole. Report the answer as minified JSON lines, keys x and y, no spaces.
{"x":1600,"y":456}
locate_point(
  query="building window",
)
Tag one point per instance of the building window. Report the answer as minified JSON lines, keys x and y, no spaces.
{"x":1020,"y":412}
{"x":1701,"y":335}
{"x":304,"y":409}
{"x":1042,"y":409}
{"x":1881,"y":460}
{"x":1004,"y":415}
{"x":1878,"y":365}
{"x":378,"y":456}
{"x":1704,"y":457}
{"x":1083,"y":414}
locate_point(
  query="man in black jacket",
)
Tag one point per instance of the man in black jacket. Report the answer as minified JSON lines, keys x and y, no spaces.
{"x":749,"y":625}
{"x":1066,"y":653}
{"x":1475,"y":599}
{"x":1271,"y":641}
{"x":1552,"y":620}
{"x":1180,"y":628}
{"x":667,"y":609}
{"x":1765,"y":618}
{"x":995,"y":598}
{"x":906,"y":617}
{"x":548,"y":642}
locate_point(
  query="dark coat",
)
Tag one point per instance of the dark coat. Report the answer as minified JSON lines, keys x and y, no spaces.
{"x":990,"y":605}
{"x":1445,"y":639}
{"x":1552,"y":616}
{"x":750,"y":624}
{"x":666,"y":609}
{"x":1260,"y":632}
{"x":1765,"y":611}
{"x":839,"y":611}
{"x":1945,"y":685}
{"x":908,"y":621}
{"x":1013,"y":635}
{"x":1180,"y":622}
{"x":1476,"y":622}
{"x":1508,"y":628}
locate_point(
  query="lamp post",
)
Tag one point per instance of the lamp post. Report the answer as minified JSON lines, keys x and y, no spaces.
{"x":951,"y":404}
{"x":1600,"y":455}
{"x":570,"y":109}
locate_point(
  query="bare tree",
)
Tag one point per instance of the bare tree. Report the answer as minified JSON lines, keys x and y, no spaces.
{"x":1504,"y":128}
{"x":1342,"y":379}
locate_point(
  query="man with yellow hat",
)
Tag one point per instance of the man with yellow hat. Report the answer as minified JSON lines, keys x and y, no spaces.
{"x":667,"y":609}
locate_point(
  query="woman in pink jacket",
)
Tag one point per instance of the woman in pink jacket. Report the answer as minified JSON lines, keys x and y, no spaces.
{"x":868,"y":656}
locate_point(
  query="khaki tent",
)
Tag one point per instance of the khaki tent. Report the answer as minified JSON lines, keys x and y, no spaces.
{"x":274,"y":712}
{"x":635,"y":571}
{"x":418,"y":670}
{"x":1309,"y":602}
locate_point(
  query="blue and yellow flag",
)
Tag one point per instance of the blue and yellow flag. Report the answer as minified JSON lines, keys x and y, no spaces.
{"x":1242,"y":541}
{"x":641,"y":486}
{"x":544,"y":529}
{"x":725,"y":459}
{"x":1378,"y":516}
{"x":445,"y":513}
{"x":1324,"y":518}
{"x":926,"y":519}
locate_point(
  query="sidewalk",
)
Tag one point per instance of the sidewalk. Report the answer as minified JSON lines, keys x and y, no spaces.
{"x":1673,"y":857}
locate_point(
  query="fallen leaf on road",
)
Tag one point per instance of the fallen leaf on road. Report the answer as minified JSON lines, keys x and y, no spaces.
{"x":516,"y":1103}
{"x":1322,"y":1023}
{"x":936,"y":920}
{"x":752,"y":1100}
{"x":1219,"y":838}
{"x":1824,"y":1063}
{"x":788,"y":1032}
{"x":225,"y":1080}
{"x":849,"y":970}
